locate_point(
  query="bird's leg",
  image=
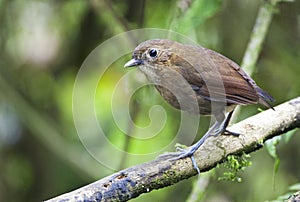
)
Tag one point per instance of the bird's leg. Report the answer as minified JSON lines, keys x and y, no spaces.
{"x":188,"y":152}
{"x":218,"y":127}
{"x":212,"y":131}
{"x":225,"y":124}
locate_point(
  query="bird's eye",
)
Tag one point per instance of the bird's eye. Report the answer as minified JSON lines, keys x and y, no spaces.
{"x":153,"y":52}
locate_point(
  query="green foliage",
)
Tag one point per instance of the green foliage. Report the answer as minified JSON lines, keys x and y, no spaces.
{"x":196,"y":15}
{"x":235,"y":164}
{"x":291,"y":191}
{"x":271,"y":146}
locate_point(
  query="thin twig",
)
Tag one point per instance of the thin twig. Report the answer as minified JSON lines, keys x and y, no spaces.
{"x":258,"y":35}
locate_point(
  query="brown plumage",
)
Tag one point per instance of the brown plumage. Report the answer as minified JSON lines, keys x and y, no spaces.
{"x":197,"y":80}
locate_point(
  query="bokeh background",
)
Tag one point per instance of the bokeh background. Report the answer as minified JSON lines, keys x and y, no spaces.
{"x":43,"y":45}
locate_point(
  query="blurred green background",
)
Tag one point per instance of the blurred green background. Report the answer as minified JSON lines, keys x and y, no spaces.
{"x":43,"y":45}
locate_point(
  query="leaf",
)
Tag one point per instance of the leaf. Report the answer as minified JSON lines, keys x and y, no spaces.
{"x":295,"y":187}
{"x":289,"y":135}
{"x":271,"y":146}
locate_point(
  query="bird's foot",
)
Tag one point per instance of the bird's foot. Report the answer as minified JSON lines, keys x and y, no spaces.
{"x":184,"y":153}
{"x":181,"y":154}
{"x":180,"y":148}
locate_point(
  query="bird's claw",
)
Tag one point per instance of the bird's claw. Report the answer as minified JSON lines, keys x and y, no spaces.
{"x":227,"y":132}
{"x":183,"y":153}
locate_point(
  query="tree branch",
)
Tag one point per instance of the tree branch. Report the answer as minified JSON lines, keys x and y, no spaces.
{"x":162,"y":172}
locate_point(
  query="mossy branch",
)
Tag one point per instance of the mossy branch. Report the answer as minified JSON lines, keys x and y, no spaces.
{"x":134,"y":181}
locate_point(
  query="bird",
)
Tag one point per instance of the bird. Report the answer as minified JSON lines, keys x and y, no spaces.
{"x":197,"y":80}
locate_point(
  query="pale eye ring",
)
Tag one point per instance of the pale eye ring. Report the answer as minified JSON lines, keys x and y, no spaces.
{"x":153,"y":53}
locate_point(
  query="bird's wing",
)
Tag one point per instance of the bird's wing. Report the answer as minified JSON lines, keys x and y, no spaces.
{"x":216,"y":78}
{"x":235,"y":85}
{"x":239,"y":86}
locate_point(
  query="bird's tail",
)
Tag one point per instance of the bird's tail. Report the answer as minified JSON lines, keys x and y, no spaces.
{"x":265,"y":98}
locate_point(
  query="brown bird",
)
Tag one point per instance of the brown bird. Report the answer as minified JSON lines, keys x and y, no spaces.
{"x":197,"y":80}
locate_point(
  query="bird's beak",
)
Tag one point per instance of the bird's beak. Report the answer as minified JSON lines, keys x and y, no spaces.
{"x":133,"y":62}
